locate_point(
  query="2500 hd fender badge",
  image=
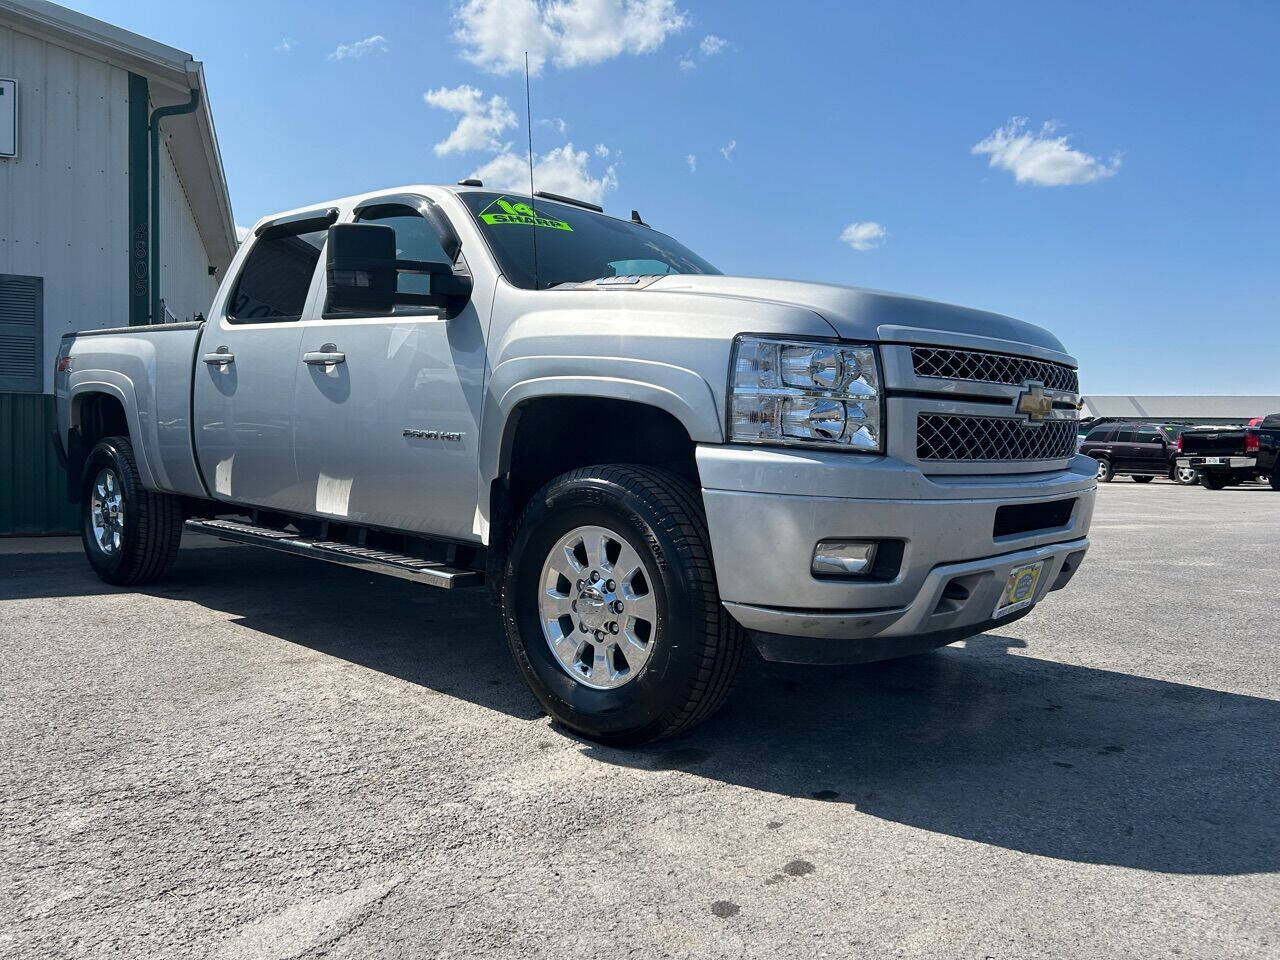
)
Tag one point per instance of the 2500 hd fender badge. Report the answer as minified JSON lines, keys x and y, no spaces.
{"x":451,"y":435}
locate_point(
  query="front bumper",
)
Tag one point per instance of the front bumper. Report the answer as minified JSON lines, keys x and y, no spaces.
{"x":767,"y":508}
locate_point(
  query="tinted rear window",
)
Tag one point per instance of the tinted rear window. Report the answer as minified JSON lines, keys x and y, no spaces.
{"x":273,"y":284}
{"x":572,"y":244}
{"x":1100,"y":433}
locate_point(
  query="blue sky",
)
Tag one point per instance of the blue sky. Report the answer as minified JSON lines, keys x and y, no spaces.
{"x":1134,"y":211}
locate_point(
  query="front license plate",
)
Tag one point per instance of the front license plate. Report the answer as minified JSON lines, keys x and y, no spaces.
{"x":1020,"y":589}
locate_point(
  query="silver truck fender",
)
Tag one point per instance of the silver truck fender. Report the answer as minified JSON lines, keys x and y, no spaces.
{"x":120,"y":387}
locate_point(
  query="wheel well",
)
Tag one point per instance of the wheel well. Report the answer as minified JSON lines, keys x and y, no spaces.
{"x":101,"y":415}
{"x":548,"y":436}
{"x":98,"y":415}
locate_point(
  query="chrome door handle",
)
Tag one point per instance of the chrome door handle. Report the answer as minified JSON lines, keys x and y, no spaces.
{"x":327,"y":354}
{"x":221,"y":358}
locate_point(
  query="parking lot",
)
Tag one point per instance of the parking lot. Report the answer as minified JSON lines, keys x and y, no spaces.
{"x":267,"y":757}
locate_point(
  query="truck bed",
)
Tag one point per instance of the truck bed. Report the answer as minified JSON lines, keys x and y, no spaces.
{"x":149,"y":369}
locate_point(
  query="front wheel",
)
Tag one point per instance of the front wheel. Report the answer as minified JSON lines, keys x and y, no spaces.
{"x":1187,"y":476}
{"x":1106,"y":473}
{"x":611,"y":608}
{"x":130,"y":534}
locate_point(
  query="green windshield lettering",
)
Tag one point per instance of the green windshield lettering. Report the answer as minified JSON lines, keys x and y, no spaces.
{"x":519,"y":213}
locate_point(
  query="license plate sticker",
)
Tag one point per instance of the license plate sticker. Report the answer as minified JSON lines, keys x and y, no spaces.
{"x":1020,"y":589}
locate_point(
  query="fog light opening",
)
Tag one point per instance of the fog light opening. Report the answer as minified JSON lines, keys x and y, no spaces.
{"x":843,"y":558}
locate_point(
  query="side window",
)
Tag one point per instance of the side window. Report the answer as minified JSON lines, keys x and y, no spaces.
{"x":1148,"y":436}
{"x":1100,"y":434}
{"x":273,"y":284}
{"x":417,"y":238}
{"x":1126,"y":436}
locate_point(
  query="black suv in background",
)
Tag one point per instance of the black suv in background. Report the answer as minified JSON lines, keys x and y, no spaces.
{"x":1143,"y":451}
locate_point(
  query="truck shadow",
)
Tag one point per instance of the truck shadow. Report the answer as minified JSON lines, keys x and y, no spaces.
{"x":1047,"y":758}
{"x":972,"y":741}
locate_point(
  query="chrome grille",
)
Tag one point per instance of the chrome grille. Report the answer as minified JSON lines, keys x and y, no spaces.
{"x":991,"y":368}
{"x":967,"y":439}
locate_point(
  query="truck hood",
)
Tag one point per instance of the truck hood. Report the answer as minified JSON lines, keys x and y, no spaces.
{"x":858,"y":314}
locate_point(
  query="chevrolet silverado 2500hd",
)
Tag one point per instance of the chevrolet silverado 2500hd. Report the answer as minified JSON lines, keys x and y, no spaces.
{"x":651,"y":463}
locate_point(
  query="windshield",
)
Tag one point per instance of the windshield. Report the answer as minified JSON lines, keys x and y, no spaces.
{"x":573,"y":244}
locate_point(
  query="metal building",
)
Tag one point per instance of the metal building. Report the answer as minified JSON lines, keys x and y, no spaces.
{"x":97,"y":228}
{"x":1175,"y":409}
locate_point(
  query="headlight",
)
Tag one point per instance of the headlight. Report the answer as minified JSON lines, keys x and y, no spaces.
{"x":793,"y":391}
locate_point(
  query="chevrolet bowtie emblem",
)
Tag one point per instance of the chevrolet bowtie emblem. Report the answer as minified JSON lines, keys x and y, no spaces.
{"x":1033,"y":404}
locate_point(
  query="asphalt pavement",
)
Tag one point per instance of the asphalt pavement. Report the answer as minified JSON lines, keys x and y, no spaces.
{"x":265,"y":756}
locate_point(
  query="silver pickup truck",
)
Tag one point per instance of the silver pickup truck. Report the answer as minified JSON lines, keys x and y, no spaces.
{"x":650,"y":463}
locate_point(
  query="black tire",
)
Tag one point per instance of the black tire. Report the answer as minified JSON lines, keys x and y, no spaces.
{"x":697,"y":645}
{"x":1211,"y":481}
{"x":1140,"y":478}
{"x":152,"y":527}
{"x":1106,"y":472}
{"x":1274,"y":479}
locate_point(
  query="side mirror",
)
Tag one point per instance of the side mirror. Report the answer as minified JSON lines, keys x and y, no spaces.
{"x":362,"y":270}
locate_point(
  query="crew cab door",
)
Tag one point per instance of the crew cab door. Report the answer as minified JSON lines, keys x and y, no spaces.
{"x":246,"y":366}
{"x":388,"y":407}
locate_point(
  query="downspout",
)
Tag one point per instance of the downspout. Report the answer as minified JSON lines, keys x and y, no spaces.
{"x":156,"y":116}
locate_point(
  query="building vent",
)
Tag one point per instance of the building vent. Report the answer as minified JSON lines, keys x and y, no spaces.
{"x":21,"y":333}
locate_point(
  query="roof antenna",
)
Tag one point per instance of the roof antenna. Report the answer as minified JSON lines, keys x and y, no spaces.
{"x":528,"y":113}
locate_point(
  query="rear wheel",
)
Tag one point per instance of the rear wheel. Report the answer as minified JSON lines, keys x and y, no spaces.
{"x":1142,"y":479}
{"x":1105,"y":471}
{"x":1274,"y":479}
{"x":1187,"y":476}
{"x":1211,"y":481}
{"x":611,"y":608}
{"x":130,"y":534}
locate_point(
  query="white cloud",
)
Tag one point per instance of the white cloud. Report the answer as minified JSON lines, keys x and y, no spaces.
{"x":1041,"y":158}
{"x":562,"y":170}
{"x":286,"y":45}
{"x":692,"y":161}
{"x":602,"y":151}
{"x":241,"y":233}
{"x":864,"y":235}
{"x":687,"y":63}
{"x":481,"y":123}
{"x":495,"y":34}
{"x":556,"y":123}
{"x":727,"y":150}
{"x":711,"y":45}
{"x":361,"y":48}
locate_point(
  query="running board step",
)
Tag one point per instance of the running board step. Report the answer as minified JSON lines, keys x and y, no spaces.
{"x":430,"y":572}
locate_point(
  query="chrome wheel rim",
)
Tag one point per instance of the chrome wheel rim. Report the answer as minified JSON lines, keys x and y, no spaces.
{"x":597,"y":607}
{"x":1186,"y":475}
{"x":106,"y":511}
{"x":1102,"y":469}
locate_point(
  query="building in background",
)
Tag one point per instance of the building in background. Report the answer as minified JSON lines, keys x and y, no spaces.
{"x":1189,"y":409}
{"x":96,"y":230}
